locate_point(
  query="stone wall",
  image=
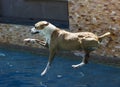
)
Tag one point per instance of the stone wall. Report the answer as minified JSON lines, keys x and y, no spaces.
{"x":98,"y":16}
{"x":15,"y":34}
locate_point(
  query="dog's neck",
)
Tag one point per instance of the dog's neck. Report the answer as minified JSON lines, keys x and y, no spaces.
{"x":47,"y":31}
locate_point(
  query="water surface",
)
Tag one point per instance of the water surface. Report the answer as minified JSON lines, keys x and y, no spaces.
{"x":22,"y":69}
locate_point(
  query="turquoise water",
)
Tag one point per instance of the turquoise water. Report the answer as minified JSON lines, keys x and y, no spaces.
{"x":22,"y":69}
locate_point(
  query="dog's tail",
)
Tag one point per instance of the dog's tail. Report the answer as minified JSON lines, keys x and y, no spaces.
{"x":104,"y":35}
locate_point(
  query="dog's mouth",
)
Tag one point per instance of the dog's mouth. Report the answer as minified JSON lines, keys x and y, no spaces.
{"x":34,"y":31}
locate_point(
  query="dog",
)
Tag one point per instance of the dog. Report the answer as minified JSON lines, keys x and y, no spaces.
{"x":58,"y":39}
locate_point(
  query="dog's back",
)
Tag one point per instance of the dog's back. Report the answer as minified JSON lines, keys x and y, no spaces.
{"x":73,"y":41}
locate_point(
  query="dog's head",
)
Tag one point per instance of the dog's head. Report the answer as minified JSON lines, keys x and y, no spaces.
{"x":39,"y":26}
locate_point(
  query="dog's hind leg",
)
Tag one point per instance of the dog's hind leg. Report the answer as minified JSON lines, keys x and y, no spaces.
{"x":84,"y":61}
{"x":51,"y":57}
{"x":46,"y":69}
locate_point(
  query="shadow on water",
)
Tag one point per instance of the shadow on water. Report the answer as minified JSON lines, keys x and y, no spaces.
{"x":22,"y":69}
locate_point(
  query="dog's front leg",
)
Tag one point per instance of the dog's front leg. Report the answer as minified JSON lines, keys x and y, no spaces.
{"x":28,"y":40}
{"x":51,"y":57}
{"x":84,"y":61}
{"x":42,"y":43}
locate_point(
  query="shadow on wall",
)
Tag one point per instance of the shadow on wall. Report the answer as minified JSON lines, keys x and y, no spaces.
{"x":31,"y":11}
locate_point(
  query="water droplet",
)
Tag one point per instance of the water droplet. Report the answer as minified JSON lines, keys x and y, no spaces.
{"x":17,"y":71}
{"x":59,"y":76}
{"x":42,"y":85}
{"x":82,"y":74}
{"x":11,"y":65}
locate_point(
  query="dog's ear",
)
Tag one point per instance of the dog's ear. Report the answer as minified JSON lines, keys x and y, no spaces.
{"x":46,"y":24}
{"x":41,"y":25}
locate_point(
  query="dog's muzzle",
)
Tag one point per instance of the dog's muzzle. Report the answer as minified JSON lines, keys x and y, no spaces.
{"x":34,"y":31}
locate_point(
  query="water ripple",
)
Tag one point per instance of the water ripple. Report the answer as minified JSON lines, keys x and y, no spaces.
{"x":2,"y":55}
{"x":42,"y":84}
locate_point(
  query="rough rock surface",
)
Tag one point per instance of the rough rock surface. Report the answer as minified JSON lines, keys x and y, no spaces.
{"x":15,"y":34}
{"x":99,"y":17}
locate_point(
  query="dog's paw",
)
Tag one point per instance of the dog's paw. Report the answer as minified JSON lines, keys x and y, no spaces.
{"x":78,"y":65}
{"x":30,"y":40}
{"x":27,"y":40}
{"x":75,"y":66}
{"x":43,"y":73}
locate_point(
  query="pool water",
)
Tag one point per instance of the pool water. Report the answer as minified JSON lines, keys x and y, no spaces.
{"x":22,"y":69}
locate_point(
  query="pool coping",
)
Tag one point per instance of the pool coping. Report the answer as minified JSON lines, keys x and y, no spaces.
{"x":65,"y":54}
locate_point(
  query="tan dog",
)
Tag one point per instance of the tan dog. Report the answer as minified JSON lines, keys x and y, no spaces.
{"x":57,"y":39}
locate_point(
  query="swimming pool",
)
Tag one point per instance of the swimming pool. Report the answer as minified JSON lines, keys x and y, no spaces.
{"x":22,"y":69}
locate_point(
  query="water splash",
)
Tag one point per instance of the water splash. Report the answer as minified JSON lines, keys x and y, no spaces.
{"x":82,"y":74}
{"x":42,"y":84}
{"x":59,"y":76}
{"x":10,"y":65}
